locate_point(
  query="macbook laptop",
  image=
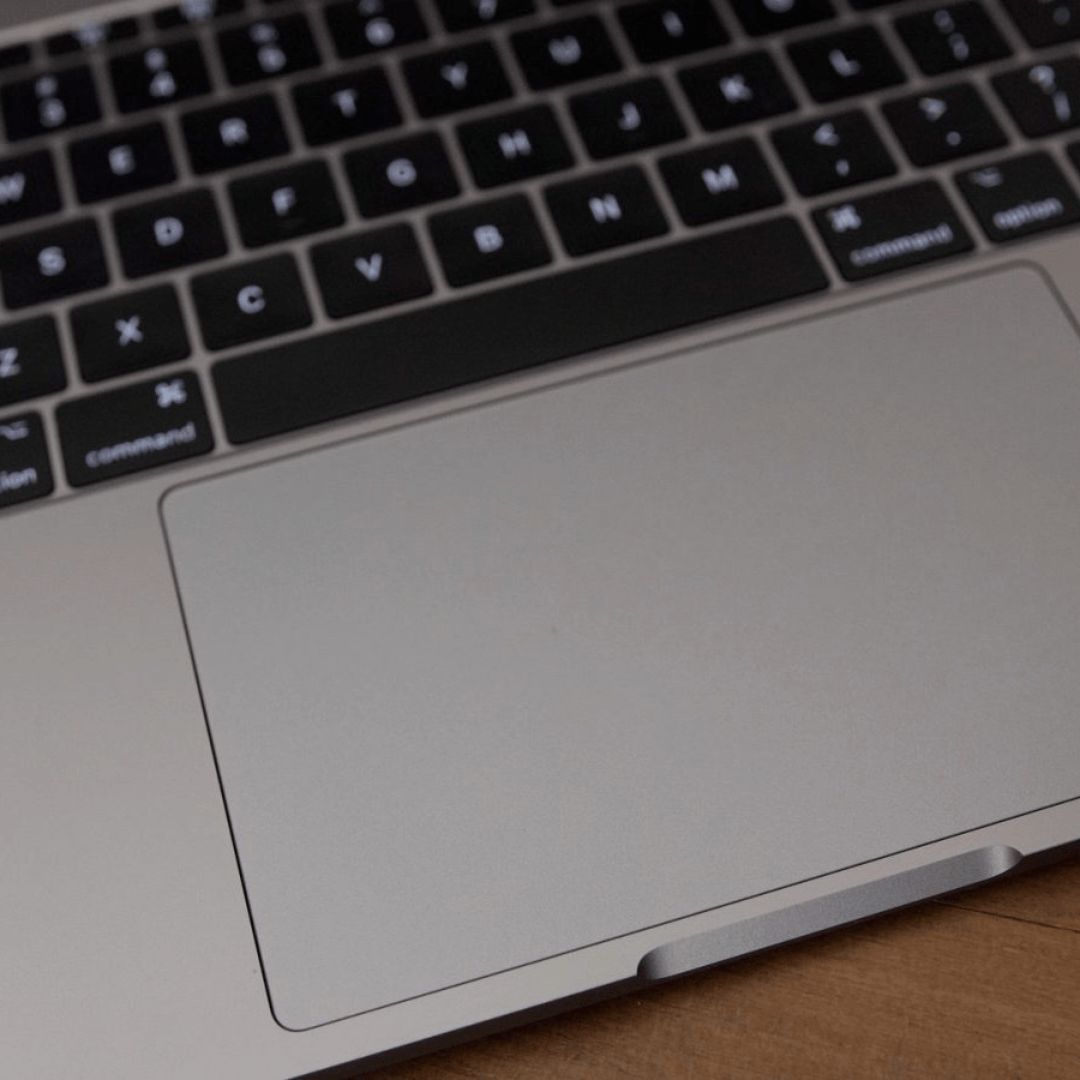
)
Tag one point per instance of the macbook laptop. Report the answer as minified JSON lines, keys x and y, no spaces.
{"x":505,"y":502}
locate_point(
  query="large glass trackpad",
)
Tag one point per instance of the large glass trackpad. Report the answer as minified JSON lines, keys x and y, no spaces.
{"x":501,"y":684}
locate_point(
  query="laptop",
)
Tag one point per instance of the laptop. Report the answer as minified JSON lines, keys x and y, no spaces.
{"x":506,"y":502}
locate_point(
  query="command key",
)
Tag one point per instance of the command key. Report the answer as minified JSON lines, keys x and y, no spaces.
{"x":137,"y":427}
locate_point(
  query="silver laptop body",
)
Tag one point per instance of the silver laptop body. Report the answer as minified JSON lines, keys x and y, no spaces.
{"x":390,"y":677}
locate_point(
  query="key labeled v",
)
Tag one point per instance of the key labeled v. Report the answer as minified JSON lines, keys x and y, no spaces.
{"x":370,"y":268}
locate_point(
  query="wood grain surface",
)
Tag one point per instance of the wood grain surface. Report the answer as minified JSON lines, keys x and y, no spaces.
{"x":986,"y":984}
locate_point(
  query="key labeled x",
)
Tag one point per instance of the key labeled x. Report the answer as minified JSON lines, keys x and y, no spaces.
{"x":129,"y":331}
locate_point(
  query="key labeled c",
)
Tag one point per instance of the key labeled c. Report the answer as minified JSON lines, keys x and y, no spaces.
{"x":251,"y":300}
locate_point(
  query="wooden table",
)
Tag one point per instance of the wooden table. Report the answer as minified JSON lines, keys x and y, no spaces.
{"x":983,"y":985}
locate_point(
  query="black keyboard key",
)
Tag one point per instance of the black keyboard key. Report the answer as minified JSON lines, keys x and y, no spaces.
{"x":31,"y":363}
{"x":951,"y":37}
{"x":738,"y":90}
{"x":470,"y":14}
{"x":400,"y":175}
{"x":195,"y":12}
{"x":50,"y":102}
{"x":346,"y":106}
{"x":36,"y":268}
{"x":951,"y":122}
{"x":169,"y":233}
{"x":713,"y":183}
{"x":121,"y":162}
{"x":624,"y":119}
{"x":27,"y":187}
{"x":15,"y":56}
{"x":832,"y":152}
{"x":1043,"y":98}
{"x":374,"y":269}
{"x":249,"y":302}
{"x":1019,"y":196}
{"x":91,"y":35}
{"x":267,"y":48}
{"x":137,"y":427}
{"x":285,"y":203}
{"x":771,"y":16}
{"x":237,"y":133}
{"x":359,"y":27}
{"x":488,"y":240}
{"x":892,"y":230}
{"x":605,"y":210}
{"x":128,"y":333}
{"x":564,"y":52}
{"x":512,"y":328}
{"x":662,"y":29}
{"x":514,"y":146}
{"x":25,"y":472}
{"x":158,"y":76}
{"x":1046,"y":22}
{"x":455,"y":79}
{"x":845,"y":64}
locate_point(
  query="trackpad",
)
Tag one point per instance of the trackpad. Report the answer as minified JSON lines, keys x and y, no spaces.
{"x":515,"y":680}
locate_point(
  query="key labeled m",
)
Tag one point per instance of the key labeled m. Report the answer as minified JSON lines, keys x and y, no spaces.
{"x":12,"y":188}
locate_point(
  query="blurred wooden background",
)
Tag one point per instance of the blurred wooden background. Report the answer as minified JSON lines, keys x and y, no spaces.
{"x":984,"y":985}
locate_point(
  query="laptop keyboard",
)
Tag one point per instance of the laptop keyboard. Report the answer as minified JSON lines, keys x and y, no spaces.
{"x":228,"y":220}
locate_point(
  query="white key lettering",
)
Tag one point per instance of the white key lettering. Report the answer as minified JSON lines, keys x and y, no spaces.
{"x":170,"y":393}
{"x":717,"y":181}
{"x":734,"y":89}
{"x":284,"y":200}
{"x":251,"y":300}
{"x":129,"y":331}
{"x":380,"y":33}
{"x":12,"y":188}
{"x":605,"y":208}
{"x":9,"y":362}
{"x":52,"y":261}
{"x":15,"y":431}
{"x":457,"y":74}
{"x":629,"y":117}
{"x":234,"y":131}
{"x":565,"y":51}
{"x":168,"y":231}
{"x":488,"y":239}
{"x":345,"y":101}
{"x":122,"y":160}
{"x":826,"y":135}
{"x":401,"y":172}
{"x":843,"y":65}
{"x":673,"y":25}
{"x":844,"y":219}
{"x":370,"y":268}
{"x":514,"y":144}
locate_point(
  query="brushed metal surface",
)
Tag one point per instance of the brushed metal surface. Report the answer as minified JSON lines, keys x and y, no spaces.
{"x":503,"y":685}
